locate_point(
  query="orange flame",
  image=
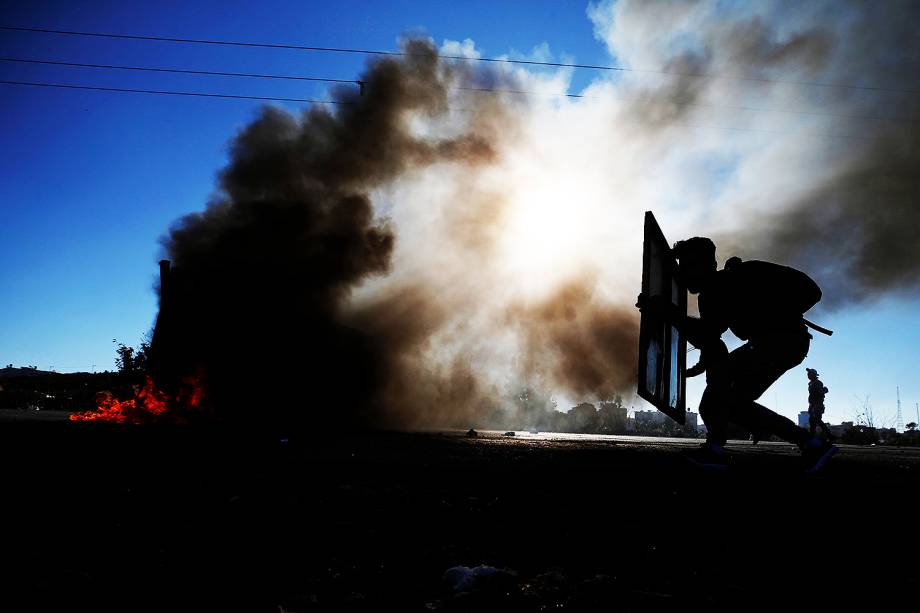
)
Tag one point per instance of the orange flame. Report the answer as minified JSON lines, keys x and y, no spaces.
{"x":149,"y":405}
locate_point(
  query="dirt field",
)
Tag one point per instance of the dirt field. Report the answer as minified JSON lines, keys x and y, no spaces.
{"x":129,"y":518}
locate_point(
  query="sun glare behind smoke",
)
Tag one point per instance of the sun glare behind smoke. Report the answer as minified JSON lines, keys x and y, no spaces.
{"x":547,"y":228}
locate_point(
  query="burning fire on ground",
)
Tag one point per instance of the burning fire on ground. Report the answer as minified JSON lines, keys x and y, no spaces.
{"x":149,"y":405}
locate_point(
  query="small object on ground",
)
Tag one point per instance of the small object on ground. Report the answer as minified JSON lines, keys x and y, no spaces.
{"x":472,"y":433}
{"x":509,"y":433}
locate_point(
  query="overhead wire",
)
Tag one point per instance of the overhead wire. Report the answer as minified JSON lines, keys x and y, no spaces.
{"x":169,"y":92}
{"x":361,"y":84}
{"x":232,"y":43}
{"x":455,"y":57}
{"x":178,"y":70}
{"x":345,"y":102}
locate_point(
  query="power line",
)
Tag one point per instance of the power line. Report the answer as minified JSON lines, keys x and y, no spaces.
{"x":197,"y":41}
{"x":361,"y":84}
{"x":458,"y":57}
{"x":170,"y":92}
{"x":254,"y":75}
{"x":700,"y":104}
{"x":491,"y":90}
{"x":703,"y":75}
{"x":777,"y":132}
{"x":234,"y":43}
{"x":179,"y":70}
{"x":342,"y":102}
{"x":798,"y":112}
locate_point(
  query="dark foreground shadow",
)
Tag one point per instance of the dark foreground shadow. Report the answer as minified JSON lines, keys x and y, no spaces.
{"x":142,"y":518}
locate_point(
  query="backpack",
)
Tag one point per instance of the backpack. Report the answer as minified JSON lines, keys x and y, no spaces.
{"x":767,"y":296}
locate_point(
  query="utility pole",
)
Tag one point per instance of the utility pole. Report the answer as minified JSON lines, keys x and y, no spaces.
{"x":900,"y":422}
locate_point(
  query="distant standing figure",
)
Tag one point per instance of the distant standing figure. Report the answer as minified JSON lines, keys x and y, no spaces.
{"x":816,"y":392}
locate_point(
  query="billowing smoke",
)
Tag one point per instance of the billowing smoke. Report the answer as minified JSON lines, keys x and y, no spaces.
{"x":857,"y":232}
{"x":427,"y":254}
{"x":263,"y":274}
{"x":263,"y":294}
{"x":835,"y":89}
{"x":853,"y":226}
{"x":579,"y":342}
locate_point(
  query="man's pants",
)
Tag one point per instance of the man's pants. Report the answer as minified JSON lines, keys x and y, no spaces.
{"x":815,"y":421}
{"x":749,"y":371}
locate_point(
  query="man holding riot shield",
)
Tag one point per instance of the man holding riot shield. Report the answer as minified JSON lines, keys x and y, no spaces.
{"x":761,"y":303}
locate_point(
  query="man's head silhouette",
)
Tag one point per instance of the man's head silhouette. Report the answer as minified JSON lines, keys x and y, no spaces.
{"x":697,"y":257}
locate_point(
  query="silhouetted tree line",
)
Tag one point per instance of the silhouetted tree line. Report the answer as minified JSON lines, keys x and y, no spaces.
{"x":532,"y":409}
{"x":867,"y":435}
{"x":61,"y":392}
{"x":51,"y":391}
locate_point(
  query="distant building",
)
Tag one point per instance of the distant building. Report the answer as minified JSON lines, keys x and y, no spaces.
{"x":649,"y":419}
{"x":803,"y":420}
{"x":887,"y":433}
{"x":838,"y":430}
{"x":693,"y":421}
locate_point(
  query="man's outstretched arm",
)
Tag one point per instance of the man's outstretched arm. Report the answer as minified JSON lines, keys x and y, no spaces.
{"x":699,"y":332}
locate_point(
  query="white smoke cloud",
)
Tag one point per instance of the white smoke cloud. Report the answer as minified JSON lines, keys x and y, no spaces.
{"x":518,"y":217}
{"x":730,"y":157}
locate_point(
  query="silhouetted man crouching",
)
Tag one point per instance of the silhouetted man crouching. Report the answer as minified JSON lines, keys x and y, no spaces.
{"x":761,"y":303}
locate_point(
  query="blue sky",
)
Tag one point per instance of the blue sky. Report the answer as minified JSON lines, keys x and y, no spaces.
{"x":89,"y":181}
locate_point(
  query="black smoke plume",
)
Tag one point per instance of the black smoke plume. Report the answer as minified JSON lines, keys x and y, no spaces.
{"x":261,"y":276}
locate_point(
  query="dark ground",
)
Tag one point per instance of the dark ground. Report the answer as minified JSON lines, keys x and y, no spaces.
{"x":147,"y":518}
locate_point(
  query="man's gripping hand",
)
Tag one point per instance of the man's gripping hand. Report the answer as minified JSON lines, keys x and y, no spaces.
{"x":655,"y":305}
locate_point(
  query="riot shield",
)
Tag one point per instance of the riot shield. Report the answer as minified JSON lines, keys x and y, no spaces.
{"x":662,"y":348}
